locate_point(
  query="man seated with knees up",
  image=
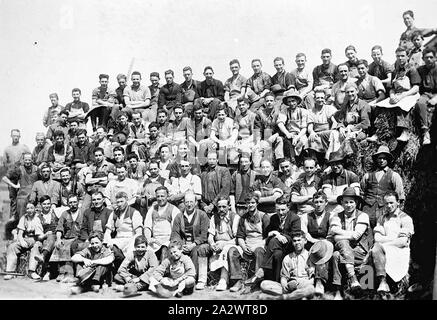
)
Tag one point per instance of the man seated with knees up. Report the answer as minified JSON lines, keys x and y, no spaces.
{"x":93,"y":264}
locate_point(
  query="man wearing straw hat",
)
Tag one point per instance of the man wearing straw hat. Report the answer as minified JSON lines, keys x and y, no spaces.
{"x":352,"y":237}
{"x":377,"y":183}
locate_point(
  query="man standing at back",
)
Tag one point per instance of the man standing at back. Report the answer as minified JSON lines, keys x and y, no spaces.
{"x":137,"y":96}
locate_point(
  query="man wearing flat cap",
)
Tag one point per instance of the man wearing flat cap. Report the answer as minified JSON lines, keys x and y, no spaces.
{"x":353,"y":239}
{"x":377,"y":183}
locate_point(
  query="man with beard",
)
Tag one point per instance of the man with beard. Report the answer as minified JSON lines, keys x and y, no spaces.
{"x":250,"y":238}
{"x":278,"y":243}
{"x":137,"y":97}
{"x":235,"y":86}
{"x":216,"y":182}
{"x":46,"y":243}
{"x":60,"y":125}
{"x":46,"y":186}
{"x":190,"y":91}
{"x":170,"y":93}
{"x":304,"y":188}
{"x":266,"y":131}
{"x":67,"y":233}
{"x":96,"y":258}
{"x":268,"y":187}
{"x":377,"y":183}
{"x":241,"y":181}
{"x":137,"y":136}
{"x":334,"y":182}
{"x":60,"y":154}
{"x":103,"y":102}
{"x":353,"y":240}
{"x":190,"y":229}
{"x":199,"y":133}
{"x":77,"y":109}
{"x":257,"y":86}
{"x":158,"y":223}
{"x":211,"y":92}
{"x":183,"y":183}
{"x":53,"y":110}
{"x":124,"y":224}
{"x":137,"y":267}
{"x":20,"y":179}
{"x":122,"y":183}
{"x":292,"y":123}
{"x":154,"y":141}
{"x":338,"y":92}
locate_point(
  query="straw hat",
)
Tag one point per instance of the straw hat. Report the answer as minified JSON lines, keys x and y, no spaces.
{"x":321,"y":252}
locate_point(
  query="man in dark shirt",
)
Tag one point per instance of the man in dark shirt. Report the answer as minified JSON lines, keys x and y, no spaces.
{"x":428,"y":92}
{"x":77,"y":109}
{"x":190,"y":91}
{"x":282,"y":80}
{"x":211,"y":92}
{"x":170,"y":93}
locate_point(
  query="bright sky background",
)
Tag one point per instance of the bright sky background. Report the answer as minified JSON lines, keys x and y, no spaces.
{"x":52,"y":45}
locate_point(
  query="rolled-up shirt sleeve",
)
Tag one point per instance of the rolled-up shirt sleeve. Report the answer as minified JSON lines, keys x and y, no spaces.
{"x":399,"y":186}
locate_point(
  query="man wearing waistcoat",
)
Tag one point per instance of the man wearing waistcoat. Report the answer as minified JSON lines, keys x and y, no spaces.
{"x":377,"y":183}
{"x":190,"y":228}
{"x":352,"y":239}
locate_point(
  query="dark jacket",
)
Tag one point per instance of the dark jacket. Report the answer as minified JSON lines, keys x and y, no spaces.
{"x":200,"y":228}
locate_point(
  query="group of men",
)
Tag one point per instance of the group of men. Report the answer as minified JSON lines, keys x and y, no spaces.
{"x":179,"y":179}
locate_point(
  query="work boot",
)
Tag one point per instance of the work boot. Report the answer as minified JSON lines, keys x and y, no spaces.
{"x":76,"y":290}
{"x":383,"y":286}
{"x":221,"y":285}
{"x":35,"y":276}
{"x":258,"y":277}
{"x":353,"y":282}
{"x":95,"y":288}
{"x":203,"y":273}
{"x":337,"y":295}
{"x":405,"y":136}
{"x":8,"y":277}
{"x":46,"y":277}
{"x":426,"y":138}
{"x":60,"y":277}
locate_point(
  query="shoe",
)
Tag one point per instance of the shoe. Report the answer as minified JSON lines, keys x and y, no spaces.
{"x":76,"y":290}
{"x":373,"y":138}
{"x":95,"y":288}
{"x":8,"y":277}
{"x":237,"y":286}
{"x":222,"y":286}
{"x":60,"y":277}
{"x":35,"y":276}
{"x":178,"y":294}
{"x":319,"y":288}
{"x":337,"y":295}
{"x":200,"y":286}
{"x":253,"y":281}
{"x":39,"y":258}
{"x":353,"y":282}
{"x":404,"y":137}
{"x":426,"y":139}
{"x":383,"y":287}
{"x":46,"y":277}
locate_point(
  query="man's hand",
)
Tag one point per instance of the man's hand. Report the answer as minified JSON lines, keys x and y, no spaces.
{"x":282,"y":239}
{"x":289,"y":136}
{"x":155,"y":241}
{"x":59,"y":243}
{"x":313,"y":136}
{"x":17,"y":186}
{"x":88,"y":262}
{"x":395,"y":99}
{"x":209,"y":208}
{"x":295,"y":140}
{"x":433,"y":101}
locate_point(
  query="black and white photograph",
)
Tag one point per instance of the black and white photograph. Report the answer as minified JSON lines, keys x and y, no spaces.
{"x":247,"y":151}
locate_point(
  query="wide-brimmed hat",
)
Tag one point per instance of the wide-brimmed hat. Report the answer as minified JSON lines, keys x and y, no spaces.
{"x":85,"y":274}
{"x":292,"y":93}
{"x":271,"y":287}
{"x":349,"y":192}
{"x":336,"y":156}
{"x":321,"y":252}
{"x":383,"y":150}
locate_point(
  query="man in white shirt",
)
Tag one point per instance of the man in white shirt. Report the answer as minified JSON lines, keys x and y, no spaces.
{"x":186,"y":182}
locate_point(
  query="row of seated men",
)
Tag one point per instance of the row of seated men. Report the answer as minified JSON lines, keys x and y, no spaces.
{"x":200,"y":218}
